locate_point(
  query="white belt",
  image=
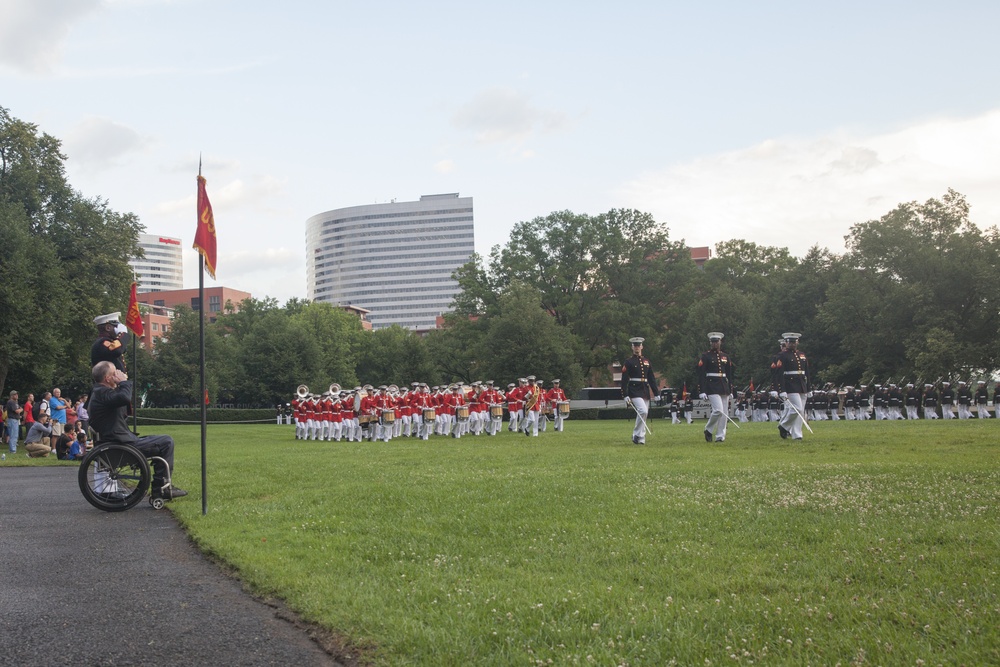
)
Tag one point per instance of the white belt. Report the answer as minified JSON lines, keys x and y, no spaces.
{"x":715,"y":375}
{"x":795,"y":372}
{"x":636,"y":380}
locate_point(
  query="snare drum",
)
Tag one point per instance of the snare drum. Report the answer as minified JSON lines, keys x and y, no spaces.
{"x":496,"y":411}
{"x":430,"y":414}
{"x":563,"y":407}
{"x":365,"y":419}
{"x":547,"y":410}
{"x":388,"y":416}
{"x":462,"y":413}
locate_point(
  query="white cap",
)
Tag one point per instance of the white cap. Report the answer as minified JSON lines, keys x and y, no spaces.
{"x":638,"y":340}
{"x":791,"y":335}
{"x":715,"y":335}
{"x":110,"y":317}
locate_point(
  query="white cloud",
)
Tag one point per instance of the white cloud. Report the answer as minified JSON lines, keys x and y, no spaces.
{"x":232,"y":195}
{"x":99,"y":142}
{"x":798,"y":192}
{"x":444,"y":166}
{"x":266,"y":272}
{"x":32,"y":32}
{"x":502,"y":114}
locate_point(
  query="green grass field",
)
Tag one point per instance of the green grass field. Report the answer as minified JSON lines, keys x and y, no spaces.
{"x":867,"y":543}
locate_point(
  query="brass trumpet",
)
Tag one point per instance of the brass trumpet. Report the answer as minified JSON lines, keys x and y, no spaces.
{"x":302,"y":391}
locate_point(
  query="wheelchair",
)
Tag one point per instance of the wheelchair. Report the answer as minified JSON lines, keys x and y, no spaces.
{"x":115,"y":476}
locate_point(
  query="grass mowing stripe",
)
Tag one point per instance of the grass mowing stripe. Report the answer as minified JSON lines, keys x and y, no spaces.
{"x":869,"y":542}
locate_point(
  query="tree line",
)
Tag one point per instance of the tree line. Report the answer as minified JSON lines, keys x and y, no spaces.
{"x":911,"y":297}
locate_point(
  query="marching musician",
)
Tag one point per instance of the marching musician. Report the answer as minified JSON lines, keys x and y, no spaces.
{"x":532,"y":406}
{"x":555,"y":396}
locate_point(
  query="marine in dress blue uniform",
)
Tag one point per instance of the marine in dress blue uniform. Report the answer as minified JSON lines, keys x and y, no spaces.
{"x":639,"y":388}
{"x":715,"y":375}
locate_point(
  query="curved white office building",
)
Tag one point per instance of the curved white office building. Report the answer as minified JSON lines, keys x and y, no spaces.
{"x":394,"y":259}
{"x":162,"y":267}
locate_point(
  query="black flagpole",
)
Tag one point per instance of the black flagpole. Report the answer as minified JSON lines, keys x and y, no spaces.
{"x":135,"y":383}
{"x":201,"y":336}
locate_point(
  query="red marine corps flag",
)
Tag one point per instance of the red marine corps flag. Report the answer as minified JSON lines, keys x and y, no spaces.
{"x":204,"y":237}
{"x":133,"y":318}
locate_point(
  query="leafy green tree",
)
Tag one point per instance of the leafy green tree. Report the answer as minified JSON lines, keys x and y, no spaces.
{"x":83,"y":243}
{"x":338,"y":335}
{"x":29,"y":273}
{"x":919,"y":277}
{"x":525,"y":340}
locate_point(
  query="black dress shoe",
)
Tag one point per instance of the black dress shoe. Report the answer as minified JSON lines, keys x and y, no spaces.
{"x":782,"y":431}
{"x":635,"y":440}
{"x":170,"y":493}
{"x":708,"y":436}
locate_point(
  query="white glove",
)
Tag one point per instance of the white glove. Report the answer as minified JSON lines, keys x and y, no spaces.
{"x":628,"y":400}
{"x":809,"y":394}
{"x":703,"y":397}
{"x":774,"y":394}
{"x":783,"y":396}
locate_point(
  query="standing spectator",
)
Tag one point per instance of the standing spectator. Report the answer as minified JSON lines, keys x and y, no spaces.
{"x":37,"y":441}
{"x":43,"y":405}
{"x":13,"y":411}
{"x":28,"y":416}
{"x":57,"y":411}
{"x":82,"y":416}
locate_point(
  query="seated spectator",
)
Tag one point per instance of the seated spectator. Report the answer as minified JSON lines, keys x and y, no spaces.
{"x":63,"y":444}
{"x":79,"y":447}
{"x":37,"y":441}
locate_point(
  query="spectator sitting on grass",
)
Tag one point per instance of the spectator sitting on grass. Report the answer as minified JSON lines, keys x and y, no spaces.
{"x":37,"y":441}
{"x":79,"y":447}
{"x":63,"y":444}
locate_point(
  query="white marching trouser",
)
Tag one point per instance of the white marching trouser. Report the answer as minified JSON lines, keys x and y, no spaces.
{"x":641,"y":414}
{"x":981,"y":411}
{"x":717,"y":420}
{"x":791,"y":420}
{"x":531,"y":422}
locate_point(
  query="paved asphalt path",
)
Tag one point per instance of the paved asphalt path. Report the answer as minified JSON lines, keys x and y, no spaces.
{"x":79,"y":586}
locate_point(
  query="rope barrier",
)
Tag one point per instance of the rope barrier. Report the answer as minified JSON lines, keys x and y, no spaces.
{"x":184,"y":421}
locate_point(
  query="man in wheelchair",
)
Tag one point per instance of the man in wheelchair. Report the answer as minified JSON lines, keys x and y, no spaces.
{"x":109,"y":403}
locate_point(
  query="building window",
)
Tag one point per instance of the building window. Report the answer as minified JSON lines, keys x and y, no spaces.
{"x":159,"y":302}
{"x":156,"y":327}
{"x":214,"y":303}
{"x":195,"y":304}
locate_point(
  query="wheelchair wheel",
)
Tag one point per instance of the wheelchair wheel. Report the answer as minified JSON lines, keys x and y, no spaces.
{"x":114,"y":476}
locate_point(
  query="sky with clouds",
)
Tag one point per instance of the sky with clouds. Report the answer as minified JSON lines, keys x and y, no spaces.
{"x":782,"y":123}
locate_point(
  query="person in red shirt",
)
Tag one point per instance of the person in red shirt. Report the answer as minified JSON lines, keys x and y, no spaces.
{"x":555,"y":396}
